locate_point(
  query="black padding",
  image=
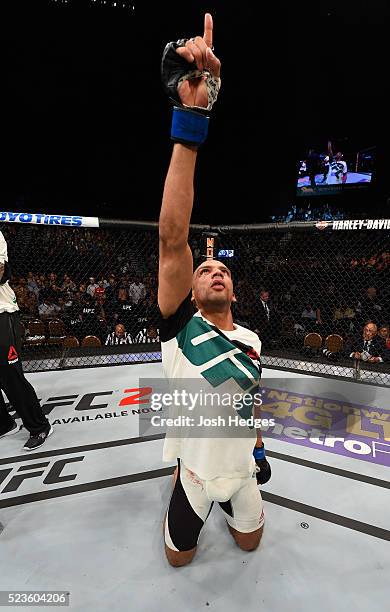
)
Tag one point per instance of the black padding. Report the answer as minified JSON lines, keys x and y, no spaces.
{"x":183,"y":523}
{"x":173,"y":67}
{"x":227,"y":507}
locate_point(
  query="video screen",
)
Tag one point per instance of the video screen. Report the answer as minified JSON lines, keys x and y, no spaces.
{"x":334,"y":165}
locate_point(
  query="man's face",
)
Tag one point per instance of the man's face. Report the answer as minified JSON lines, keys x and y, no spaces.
{"x":119,"y":331}
{"x":369,"y":331}
{"x":264,"y":296}
{"x":384,"y":332}
{"x":212,"y":286}
{"x":371,"y":292}
{"x":91,"y":281}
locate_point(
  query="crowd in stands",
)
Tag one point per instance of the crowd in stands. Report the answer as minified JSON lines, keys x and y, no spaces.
{"x":104,"y":282}
{"x":94,"y":306}
{"x":310,"y":212}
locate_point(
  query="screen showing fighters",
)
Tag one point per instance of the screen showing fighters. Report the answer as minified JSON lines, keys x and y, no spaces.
{"x":331,"y":166}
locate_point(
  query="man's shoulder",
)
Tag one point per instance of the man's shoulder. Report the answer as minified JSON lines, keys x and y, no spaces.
{"x":248,"y":336}
{"x":171,"y":326}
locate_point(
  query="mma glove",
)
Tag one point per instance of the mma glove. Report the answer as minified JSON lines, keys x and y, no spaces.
{"x":189,"y":123}
{"x":263,"y":468}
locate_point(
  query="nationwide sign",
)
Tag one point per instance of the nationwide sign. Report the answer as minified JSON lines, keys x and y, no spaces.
{"x":338,"y":427}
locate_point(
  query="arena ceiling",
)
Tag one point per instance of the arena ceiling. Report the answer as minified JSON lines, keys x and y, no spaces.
{"x":86,"y":123}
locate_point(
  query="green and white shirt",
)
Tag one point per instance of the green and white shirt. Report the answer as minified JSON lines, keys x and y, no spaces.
{"x":214,"y":361}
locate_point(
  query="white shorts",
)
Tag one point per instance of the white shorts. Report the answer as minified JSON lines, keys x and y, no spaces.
{"x":190,"y":507}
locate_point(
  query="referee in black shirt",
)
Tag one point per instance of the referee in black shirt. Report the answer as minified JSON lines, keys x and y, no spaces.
{"x":19,"y":391}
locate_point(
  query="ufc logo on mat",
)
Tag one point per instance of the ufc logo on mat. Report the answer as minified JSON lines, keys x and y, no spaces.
{"x":53,"y":476}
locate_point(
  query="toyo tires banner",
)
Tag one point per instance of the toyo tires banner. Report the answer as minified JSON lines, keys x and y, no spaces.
{"x":44,"y":219}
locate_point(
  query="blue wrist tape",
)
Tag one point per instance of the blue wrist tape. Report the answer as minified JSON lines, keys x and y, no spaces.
{"x":259,"y":453}
{"x":188,"y":126}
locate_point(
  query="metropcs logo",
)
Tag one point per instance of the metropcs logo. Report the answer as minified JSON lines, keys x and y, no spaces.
{"x":43,"y":219}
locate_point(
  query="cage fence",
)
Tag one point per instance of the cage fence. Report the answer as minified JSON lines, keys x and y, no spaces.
{"x":88,"y":295}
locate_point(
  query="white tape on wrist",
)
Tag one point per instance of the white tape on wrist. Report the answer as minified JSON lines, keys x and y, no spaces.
{"x":213,"y":85}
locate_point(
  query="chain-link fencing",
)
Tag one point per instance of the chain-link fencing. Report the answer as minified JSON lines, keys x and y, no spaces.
{"x":318,"y":297}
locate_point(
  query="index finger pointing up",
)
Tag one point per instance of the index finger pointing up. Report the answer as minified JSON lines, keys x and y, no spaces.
{"x":208,"y":30}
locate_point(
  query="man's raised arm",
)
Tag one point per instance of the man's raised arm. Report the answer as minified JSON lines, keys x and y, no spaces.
{"x":175,"y":258}
{"x":190,"y":73}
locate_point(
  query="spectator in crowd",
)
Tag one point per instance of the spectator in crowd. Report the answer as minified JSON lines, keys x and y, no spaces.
{"x":243,"y":314}
{"x":32,"y":284}
{"x":47,"y":309}
{"x":369,"y":307}
{"x":68,"y":298}
{"x":136,"y":291}
{"x":147,"y":334}
{"x":73,"y":317}
{"x":343,"y":319}
{"x":384,"y":333}
{"x":92,"y":318}
{"x":264,"y":317}
{"x":124,"y":310}
{"x":52,"y":283}
{"x":92,"y":286}
{"x":29,"y":306}
{"x":111,"y":289}
{"x":99,"y":291}
{"x":368,"y":347}
{"x":310,"y":317}
{"x":68,"y":285}
{"x":146,"y":310}
{"x":118,"y":336}
{"x":111,"y":301}
{"x":20,"y":289}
